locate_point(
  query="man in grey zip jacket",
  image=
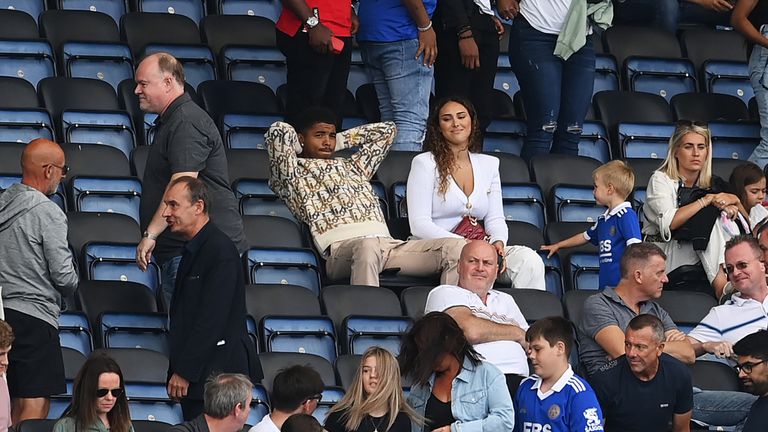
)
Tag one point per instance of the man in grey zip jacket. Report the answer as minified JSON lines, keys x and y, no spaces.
{"x":36,"y":270}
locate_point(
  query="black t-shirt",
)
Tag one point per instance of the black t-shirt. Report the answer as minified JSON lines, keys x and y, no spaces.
{"x":186,"y":139}
{"x":757,"y":420}
{"x":335,"y":423}
{"x":630,"y":404}
{"x":438,"y":413}
{"x":759,"y":14}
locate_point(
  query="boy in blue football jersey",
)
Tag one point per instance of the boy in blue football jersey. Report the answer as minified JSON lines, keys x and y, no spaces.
{"x":615,"y":229}
{"x":554,"y":399}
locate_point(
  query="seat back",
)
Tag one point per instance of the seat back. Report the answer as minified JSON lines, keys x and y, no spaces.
{"x":114,"y":8}
{"x":98,"y":297}
{"x":283,"y":266}
{"x":85,"y":227}
{"x":22,"y":125}
{"x":75,"y":332}
{"x":256,"y":199}
{"x":665,"y":77}
{"x":574,"y":304}
{"x":614,"y":108}
{"x":594,"y":142}
{"x":712,"y":375}
{"x":280,"y":299}
{"x":140,"y":29}
{"x":17,"y":24}
{"x":644,"y":140}
{"x":247,"y":163}
{"x":17,"y":93}
{"x":728,"y":77}
{"x":238,"y":97}
{"x":134,"y":330}
{"x":709,"y":107}
{"x":362,"y":332}
{"x":273,"y":362}
{"x":504,"y":136}
{"x":523,"y":202}
{"x":341,"y":301}
{"x":264,"y":8}
{"x":686,"y":308}
{"x":301,"y":334}
{"x":246,"y":131}
{"x":30,"y":59}
{"x":735,"y":141}
{"x":198,"y":61}
{"x":414,"y":300}
{"x":117,"y":262}
{"x":106,"y":194}
{"x":535,"y":304}
{"x":192,"y":9}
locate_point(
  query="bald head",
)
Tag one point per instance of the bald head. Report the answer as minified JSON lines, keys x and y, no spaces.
{"x":478,"y":267}
{"x":43,"y":165}
{"x":159,"y":81}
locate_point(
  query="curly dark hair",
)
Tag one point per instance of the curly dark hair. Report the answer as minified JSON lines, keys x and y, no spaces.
{"x":436,"y":144}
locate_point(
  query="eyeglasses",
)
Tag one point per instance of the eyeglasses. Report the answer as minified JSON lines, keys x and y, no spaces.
{"x":746,"y":367}
{"x":689,"y":123}
{"x":64,"y":168}
{"x":741,"y":265}
{"x":116,"y":392}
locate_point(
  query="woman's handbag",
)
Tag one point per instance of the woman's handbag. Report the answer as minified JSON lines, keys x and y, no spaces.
{"x":470,"y":228}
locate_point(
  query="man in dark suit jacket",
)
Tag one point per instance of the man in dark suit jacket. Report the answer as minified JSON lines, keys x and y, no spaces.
{"x":207,"y":313}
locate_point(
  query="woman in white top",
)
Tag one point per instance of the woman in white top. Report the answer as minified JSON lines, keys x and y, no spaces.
{"x":689,"y":164}
{"x":453,"y":180}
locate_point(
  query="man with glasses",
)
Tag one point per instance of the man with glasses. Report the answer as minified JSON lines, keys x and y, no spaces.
{"x":295,"y":390}
{"x":752,"y":352}
{"x":36,"y":271}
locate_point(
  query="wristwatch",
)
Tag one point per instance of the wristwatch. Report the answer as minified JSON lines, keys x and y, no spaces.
{"x":149,"y":235}
{"x":311,"y":22}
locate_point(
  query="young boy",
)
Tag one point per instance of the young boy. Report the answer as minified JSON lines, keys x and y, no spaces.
{"x":6,"y":339}
{"x":554,"y":399}
{"x":617,"y":228}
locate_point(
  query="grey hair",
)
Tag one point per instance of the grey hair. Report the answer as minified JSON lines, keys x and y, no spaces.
{"x":645,"y":320}
{"x":224,"y":391}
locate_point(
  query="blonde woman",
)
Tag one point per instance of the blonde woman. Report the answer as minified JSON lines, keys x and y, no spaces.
{"x":685,"y":200}
{"x":375,"y":402}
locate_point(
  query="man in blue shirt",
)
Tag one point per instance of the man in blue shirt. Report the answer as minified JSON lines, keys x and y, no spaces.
{"x":554,"y":399}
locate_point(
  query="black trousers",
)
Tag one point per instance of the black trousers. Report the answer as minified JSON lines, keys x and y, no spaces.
{"x":314,"y":79}
{"x":453,"y":79}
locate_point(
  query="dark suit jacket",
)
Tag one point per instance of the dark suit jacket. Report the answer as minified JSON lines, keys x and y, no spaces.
{"x":207,"y":332}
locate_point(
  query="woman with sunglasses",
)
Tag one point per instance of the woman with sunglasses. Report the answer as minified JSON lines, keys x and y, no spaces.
{"x":99,"y":403}
{"x":687,"y":213}
{"x":375,"y":401}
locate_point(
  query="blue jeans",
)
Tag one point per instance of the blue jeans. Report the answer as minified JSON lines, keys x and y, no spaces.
{"x":168,"y":279}
{"x":758,"y":65}
{"x":556,"y":93}
{"x":722,"y":408}
{"x":403,"y":84}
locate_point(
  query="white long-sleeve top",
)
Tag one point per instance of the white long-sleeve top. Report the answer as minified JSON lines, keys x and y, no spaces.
{"x":433,"y":216}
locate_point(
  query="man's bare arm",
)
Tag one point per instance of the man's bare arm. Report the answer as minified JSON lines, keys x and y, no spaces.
{"x":479,"y":330}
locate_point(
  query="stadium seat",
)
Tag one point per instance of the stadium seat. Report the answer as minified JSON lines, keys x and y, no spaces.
{"x":341,"y":301}
{"x":140,"y":29}
{"x":22,"y":125}
{"x":734,"y":140}
{"x":30,"y":59}
{"x":504,"y":136}
{"x":728,"y":77}
{"x":594,"y":142}
{"x":192,"y":9}
{"x":257,"y":199}
{"x":624,"y":42}
{"x":247,"y":163}
{"x":198,"y":60}
{"x":643,"y":169}
{"x":114,"y":8}
{"x":17,"y":93}
{"x":155,"y":411}
{"x":273,"y":362}
{"x":580,"y":264}
{"x":283,"y":266}
{"x":299,"y":334}
{"x":330,"y":397}
{"x":220,"y":31}
{"x":525,"y":234}
{"x":512,"y":169}
{"x":712,"y":375}
{"x":398,"y":203}
{"x":106,"y":194}
{"x":606,"y":73}
{"x":523,"y":202}
{"x":280,"y":299}
{"x":145,"y":373}
{"x":73,"y":361}
{"x":614,"y":108}
{"x":112,"y":128}
{"x":265,"y":8}
{"x":36,"y":425}
{"x":723,"y":167}
{"x":238,"y":97}
{"x":259,"y":405}
{"x":368,"y":102}
{"x":98,"y":297}
{"x":117,"y":262}
{"x":703,"y":43}
{"x":109,"y":62}
{"x":666,"y":77}
{"x":502,"y":106}
{"x":395,"y":168}
{"x":414,"y":299}
{"x":574,"y":203}
{"x":686,"y":308}
{"x":150,"y":426}
{"x":139,"y":161}
{"x":574,"y":304}
{"x":506,"y":81}
{"x":32,"y":7}
{"x":86,"y":227}
{"x":75,"y":332}
{"x":10,"y":160}
{"x":573,"y":185}
{"x":246,"y":131}
{"x":135,"y":330}
{"x":381,"y":195}
{"x":708,"y":107}
{"x":535,"y":304}
{"x":358,"y":76}
{"x":271,"y":231}
{"x":17,"y":24}
{"x":644,"y":140}
{"x":364,"y":331}
{"x":346,"y":367}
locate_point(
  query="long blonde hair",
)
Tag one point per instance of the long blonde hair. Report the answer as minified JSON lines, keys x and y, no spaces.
{"x":670,"y":166}
{"x":388,"y":395}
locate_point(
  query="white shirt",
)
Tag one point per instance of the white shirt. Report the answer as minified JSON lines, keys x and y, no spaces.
{"x":737,"y":318}
{"x":265,"y":425}
{"x":546,"y":16}
{"x":500,"y":307}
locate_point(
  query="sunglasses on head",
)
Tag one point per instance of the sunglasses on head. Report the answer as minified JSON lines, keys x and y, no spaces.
{"x":689,"y":123}
{"x":116,"y":392}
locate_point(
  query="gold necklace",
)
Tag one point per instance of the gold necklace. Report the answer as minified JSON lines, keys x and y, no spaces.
{"x":375,"y":426}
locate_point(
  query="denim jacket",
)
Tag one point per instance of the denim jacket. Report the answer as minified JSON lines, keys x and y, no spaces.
{"x":480,"y":400}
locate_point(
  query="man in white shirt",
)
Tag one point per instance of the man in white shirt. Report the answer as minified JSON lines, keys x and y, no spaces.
{"x":490,"y":319}
{"x":295,"y":390}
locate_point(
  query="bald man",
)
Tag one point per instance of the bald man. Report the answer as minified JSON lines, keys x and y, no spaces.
{"x":186,"y":143}
{"x":490,"y":319}
{"x":36,"y":271}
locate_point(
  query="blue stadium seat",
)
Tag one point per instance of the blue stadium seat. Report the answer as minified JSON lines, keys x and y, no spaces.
{"x":32,"y":7}
{"x":112,"y":261}
{"x":398,"y":204}
{"x":330,"y":397}
{"x":523,"y":202}
{"x":149,"y":127}
{"x":583,"y":270}
{"x":575,"y":204}
{"x":246,"y":131}
{"x":106,"y":194}
{"x":606,"y":73}
{"x":381,"y":194}
{"x":28,"y":59}
{"x":259,"y":405}
{"x":506,"y":81}
{"x":113,"y":8}
{"x":107,"y":61}
{"x":192,"y":9}
{"x":24,"y":125}
{"x":283,"y":265}
{"x":645,"y":140}
{"x":662,"y":76}
{"x":504,"y":135}
{"x":266,"y":8}
{"x":734,"y":140}
{"x":198,"y":60}
{"x":135,"y":330}
{"x":364,"y":331}
{"x":113,"y":128}
{"x":75,"y":332}
{"x":728,"y":77}
{"x":264,"y":65}
{"x":256,"y":198}
{"x":166,"y":412}
{"x":58,"y":406}
{"x":553,"y":274}
{"x":302,"y":334}
{"x":594,"y":142}
{"x":638,"y":200}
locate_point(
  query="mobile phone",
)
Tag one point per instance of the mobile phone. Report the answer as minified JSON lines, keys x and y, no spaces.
{"x":337,"y":45}
{"x":499,"y":263}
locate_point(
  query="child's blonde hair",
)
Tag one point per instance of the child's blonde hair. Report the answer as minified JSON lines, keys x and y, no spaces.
{"x":618,"y":174}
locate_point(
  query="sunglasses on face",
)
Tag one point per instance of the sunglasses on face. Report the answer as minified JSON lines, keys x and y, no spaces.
{"x":64,"y":168}
{"x":741,"y":265}
{"x":116,"y":392}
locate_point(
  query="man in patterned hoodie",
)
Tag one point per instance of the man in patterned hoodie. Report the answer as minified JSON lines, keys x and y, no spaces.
{"x":335,"y":198}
